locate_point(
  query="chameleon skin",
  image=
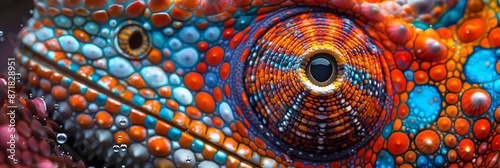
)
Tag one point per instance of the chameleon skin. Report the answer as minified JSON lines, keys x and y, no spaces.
{"x":191,"y":88}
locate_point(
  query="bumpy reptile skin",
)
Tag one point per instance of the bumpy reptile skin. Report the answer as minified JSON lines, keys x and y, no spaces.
{"x":208,"y":83}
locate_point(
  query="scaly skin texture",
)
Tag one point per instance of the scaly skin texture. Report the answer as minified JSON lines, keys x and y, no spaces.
{"x":224,"y":82}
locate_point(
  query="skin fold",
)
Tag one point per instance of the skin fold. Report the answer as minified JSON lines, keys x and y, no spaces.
{"x":228,"y":83}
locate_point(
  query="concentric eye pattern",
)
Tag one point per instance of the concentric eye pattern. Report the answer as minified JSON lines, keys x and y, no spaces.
{"x":322,"y":69}
{"x":329,"y":114}
{"x":133,"y":41}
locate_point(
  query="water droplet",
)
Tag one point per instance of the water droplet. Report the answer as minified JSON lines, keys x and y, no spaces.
{"x":123,"y":147}
{"x":2,"y":39}
{"x":31,"y":11}
{"x":61,"y":138}
{"x":1,"y":33}
{"x":467,"y":31}
{"x":419,"y":51}
{"x":188,"y":160}
{"x":116,"y":148}
{"x":452,"y":46}
{"x":123,"y":166}
{"x":120,"y":137}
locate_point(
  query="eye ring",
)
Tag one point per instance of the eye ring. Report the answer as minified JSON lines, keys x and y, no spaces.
{"x":132,"y":41}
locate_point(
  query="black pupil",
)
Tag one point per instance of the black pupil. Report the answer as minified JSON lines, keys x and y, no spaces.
{"x":321,"y":69}
{"x":135,"y":40}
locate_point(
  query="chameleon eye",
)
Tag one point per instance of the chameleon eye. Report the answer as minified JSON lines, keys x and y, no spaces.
{"x":322,"y":69}
{"x":133,"y":42}
{"x":315,"y":81}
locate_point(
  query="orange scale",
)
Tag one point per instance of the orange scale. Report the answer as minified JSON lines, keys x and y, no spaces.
{"x":452,"y":155}
{"x":53,"y":45}
{"x":260,"y":143}
{"x":466,"y":149}
{"x":228,"y":33}
{"x":82,"y":36}
{"x":398,"y":143}
{"x":55,"y":78}
{"x":421,"y":77}
{"x":403,"y":59}
{"x":398,"y":80}
{"x":454,"y":85}
{"x":136,"y":81}
{"x":475,"y":102}
{"x":452,"y":111}
{"x":161,"y":19}
{"x":229,"y":22}
{"x":78,"y":102}
{"x":108,"y":81}
{"x":181,"y":119}
{"x":86,"y":71}
{"x":498,"y":66}
{"x":137,"y":117}
{"x":497,"y":114}
{"x":462,"y":126}
{"x":159,"y":146}
{"x":202,"y":67}
{"x":451,"y":98}
{"x":34,"y":79}
{"x":115,"y":10}
{"x":218,"y":122}
{"x":135,"y":9}
{"x":217,"y":93}
{"x":481,"y":129}
{"x":410,"y":156}
{"x":214,"y":135}
{"x":224,"y":71}
{"x":159,"y":5}
{"x":261,"y":152}
{"x":494,"y":37}
{"x":203,"y":46}
{"x":233,"y":163}
{"x":399,"y":160}
{"x":235,"y":40}
{"x":205,"y":102}
{"x":241,"y":129}
{"x":121,"y":137}
{"x":215,"y":55}
{"x":147,"y":93}
{"x":399,"y":32}
{"x":438,"y":72}
{"x":186,"y":140}
{"x":429,"y":49}
{"x":471,"y":29}
{"x":104,"y":119}
{"x":172,"y":104}
{"x":427,"y":141}
{"x":112,"y":106}
{"x":495,"y":143}
{"x":59,"y":92}
{"x":194,"y":81}
{"x":197,"y":127}
{"x":138,"y":133}
{"x":72,"y":3}
{"x":169,"y":66}
{"x":180,"y":14}
{"x":53,"y":11}
{"x":211,"y":7}
{"x":209,"y":152}
{"x":379,"y":143}
{"x":153,"y":106}
{"x":444,"y":123}
{"x":85,"y":120}
{"x":231,"y":144}
{"x":95,"y":4}
{"x":100,"y":16}
{"x":193,"y":112}
{"x":187,"y":5}
{"x":155,"y":56}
